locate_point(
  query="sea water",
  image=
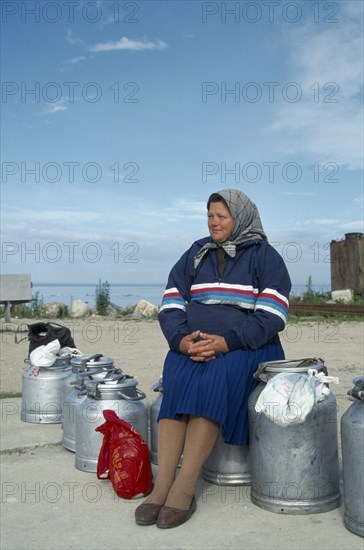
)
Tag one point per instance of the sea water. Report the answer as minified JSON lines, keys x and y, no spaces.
{"x":123,"y":295}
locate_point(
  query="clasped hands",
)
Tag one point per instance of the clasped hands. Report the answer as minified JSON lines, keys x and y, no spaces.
{"x":200,"y":346}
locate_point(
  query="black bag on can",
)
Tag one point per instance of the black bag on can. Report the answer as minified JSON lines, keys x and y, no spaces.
{"x":40,"y":334}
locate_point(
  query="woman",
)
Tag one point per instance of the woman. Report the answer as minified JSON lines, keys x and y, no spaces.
{"x":224,"y":304}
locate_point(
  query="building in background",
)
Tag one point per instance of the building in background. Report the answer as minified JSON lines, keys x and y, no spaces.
{"x":347,"y":263}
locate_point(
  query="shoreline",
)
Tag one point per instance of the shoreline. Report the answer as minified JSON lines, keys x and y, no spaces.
{"x":152,"y":292}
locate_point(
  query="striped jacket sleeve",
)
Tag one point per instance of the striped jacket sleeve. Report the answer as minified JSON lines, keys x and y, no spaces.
{"x":271,"y":306}
{"x":172,"y":313}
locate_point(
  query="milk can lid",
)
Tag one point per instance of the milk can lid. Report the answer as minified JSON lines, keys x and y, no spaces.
{"x":158,"y":386}
{"x":358,"y":390}
{"x":289,"y":365}
{"x":122,"y":380}
{"x":97,"y":360}
{"x":117,"y":382}
{"x":86,"y":377}
{"x":117,"y":387}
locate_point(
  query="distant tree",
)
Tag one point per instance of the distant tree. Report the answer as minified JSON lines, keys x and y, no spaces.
{"x":102,"y":298}
{"x":37,"y":305}
{"x":309,"y":285}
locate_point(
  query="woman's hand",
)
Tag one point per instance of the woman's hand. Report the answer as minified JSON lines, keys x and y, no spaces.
{"x":205,"y":349}
{"x":187,"y":341}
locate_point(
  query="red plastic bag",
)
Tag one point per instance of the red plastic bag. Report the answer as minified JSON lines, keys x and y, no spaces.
{"x":124,"y":457}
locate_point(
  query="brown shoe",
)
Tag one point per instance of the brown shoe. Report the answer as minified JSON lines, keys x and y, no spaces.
{"x":173,"y":517}
{"x":147,"y":514}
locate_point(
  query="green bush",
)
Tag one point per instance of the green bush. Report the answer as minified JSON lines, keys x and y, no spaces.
{"x":102,"y":298}
{"x":310,"y":296}
{"x":37,"y":305}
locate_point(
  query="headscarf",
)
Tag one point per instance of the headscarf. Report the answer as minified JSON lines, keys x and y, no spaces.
{"x":247,"y":224}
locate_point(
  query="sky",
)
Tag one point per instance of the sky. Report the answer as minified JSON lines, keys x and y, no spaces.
{"x":119,"y":119}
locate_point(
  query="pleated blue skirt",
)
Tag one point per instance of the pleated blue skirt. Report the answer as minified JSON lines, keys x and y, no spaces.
{"x":218,"y":389}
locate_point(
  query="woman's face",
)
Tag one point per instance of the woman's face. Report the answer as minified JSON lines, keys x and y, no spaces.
{"x":220,"y":222}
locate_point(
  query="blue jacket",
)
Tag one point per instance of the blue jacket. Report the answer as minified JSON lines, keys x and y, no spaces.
{"x":248,"y":305}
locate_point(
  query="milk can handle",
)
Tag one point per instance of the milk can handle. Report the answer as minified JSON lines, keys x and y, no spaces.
{"x":90,"y":372}
{"x":357,"y":392}
{"x":92,"y":358}
{"x":114,"y":373}
{"x":158,"y":386}
{"x":141,"y":395}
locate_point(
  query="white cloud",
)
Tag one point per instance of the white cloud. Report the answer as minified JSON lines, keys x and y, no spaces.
{"x":73,"y":39}
{"x":355,"y":226}
{"x":327,"y":65}
{"x":52,"y":108}
{"x":68,"y":223}
{"x":128,"y":44}
{"x":329,"y":223}
{"x":307,"y":232}
{"x":297,"y":193}
{"x":320,"y":221}
{"x":76,"y":59}
{"x":185,"y":209}
{"x":44,"y":216}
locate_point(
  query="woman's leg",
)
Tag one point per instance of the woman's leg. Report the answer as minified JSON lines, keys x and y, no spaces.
{"x":201,"y":435}
{"x":171,"y":439}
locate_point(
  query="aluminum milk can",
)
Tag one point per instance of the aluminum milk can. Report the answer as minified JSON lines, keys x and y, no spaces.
{"x":227,"y":464}
{"x":120,"y":395}
{"x":42,"y":395}
{"x":352,"y":444}
{"x":85,"y":363}
{"x":294,"y":469}
{"x":76,"y":397}
{"x":154,"y":412}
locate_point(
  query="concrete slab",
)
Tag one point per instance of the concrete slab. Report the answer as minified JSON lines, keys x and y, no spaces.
{"x":16,"y":434}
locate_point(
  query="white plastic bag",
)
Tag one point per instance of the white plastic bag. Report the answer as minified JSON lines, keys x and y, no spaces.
{"x":45,"y":356}
{"x":322,"y":379}
{"x":289,"y":397}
